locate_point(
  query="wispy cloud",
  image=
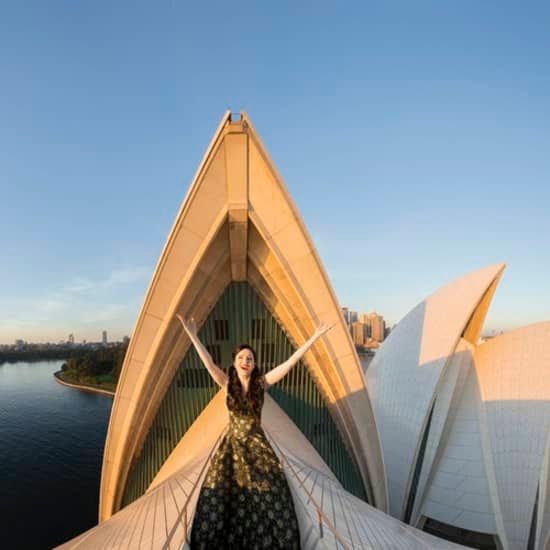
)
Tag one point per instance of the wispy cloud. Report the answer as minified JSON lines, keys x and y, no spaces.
{"x":81,"y":300}
{"x":104,"y":314}
{"x":79,"y":285}
{"x":126,"y":276}
{"x":11,"y":323}
{"x":117,"y":277}
{"x":49,"y":305}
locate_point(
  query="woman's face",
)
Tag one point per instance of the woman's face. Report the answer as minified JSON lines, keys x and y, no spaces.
{"x":244,"y":362}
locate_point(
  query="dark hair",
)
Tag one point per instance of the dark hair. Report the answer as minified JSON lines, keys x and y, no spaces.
{"x":255,"y":393}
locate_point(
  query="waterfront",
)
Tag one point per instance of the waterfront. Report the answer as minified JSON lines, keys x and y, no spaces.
{"x":51,"y":448}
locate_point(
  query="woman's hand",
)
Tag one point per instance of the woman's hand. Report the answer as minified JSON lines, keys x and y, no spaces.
{"x":215,"y":372}
{"x":322,"y":329}
{"x":189,"y":325}
{"x":276,"y":374}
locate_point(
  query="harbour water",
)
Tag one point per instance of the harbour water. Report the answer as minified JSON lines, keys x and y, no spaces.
{"x":51,"y":448}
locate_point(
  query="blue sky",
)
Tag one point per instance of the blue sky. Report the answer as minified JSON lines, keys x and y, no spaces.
{"x":413,"y":137}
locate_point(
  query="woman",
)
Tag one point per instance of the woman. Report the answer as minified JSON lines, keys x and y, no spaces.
{"x":245,"y":501}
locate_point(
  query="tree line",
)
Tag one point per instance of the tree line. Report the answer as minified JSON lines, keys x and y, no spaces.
{"x":98,"y":367}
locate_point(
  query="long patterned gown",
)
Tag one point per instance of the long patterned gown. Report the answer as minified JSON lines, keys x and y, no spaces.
{"x":245,"y":501}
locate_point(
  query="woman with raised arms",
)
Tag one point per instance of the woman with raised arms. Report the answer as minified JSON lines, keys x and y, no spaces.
{"x":245,"y":501}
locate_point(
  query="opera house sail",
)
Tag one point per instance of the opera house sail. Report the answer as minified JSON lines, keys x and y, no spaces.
{"x":464,"y":423}
{"x":239,"y":260}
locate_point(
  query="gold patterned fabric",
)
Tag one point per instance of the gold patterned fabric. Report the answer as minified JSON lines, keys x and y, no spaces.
{"x":245,"y":501}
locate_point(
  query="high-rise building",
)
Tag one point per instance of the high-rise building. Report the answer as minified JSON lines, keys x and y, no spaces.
{"x":358,"y":333}
{"x":70,"y":339}
{"x":346,"y":314}
{"x":365,"y":319}
{"x":378,"y":327}
{"x":104,"y":337}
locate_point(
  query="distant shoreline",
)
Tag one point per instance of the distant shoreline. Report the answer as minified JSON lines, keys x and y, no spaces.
{"x":82,"y":387}
{"x":14,"y":360}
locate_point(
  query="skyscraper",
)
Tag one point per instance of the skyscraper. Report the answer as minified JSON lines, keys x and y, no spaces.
{"x":365,"y":319}
{"x":346,"y":314}
{"x":378,"y":326}
{"x":358,"y":333}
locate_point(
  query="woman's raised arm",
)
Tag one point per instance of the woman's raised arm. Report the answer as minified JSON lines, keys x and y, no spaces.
{"x":215,"y":372}
{"x":280,"y":371}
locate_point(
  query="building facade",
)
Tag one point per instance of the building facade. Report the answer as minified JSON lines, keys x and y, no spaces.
{"x":377,"y":327}
{"x":358,"y":333}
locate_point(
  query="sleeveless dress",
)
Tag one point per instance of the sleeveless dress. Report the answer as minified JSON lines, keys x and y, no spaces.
{"x":245,"y":501}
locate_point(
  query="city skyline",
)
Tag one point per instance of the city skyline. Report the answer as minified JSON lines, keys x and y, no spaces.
{"x":413,"y":155}
{"x":72,"y":339}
